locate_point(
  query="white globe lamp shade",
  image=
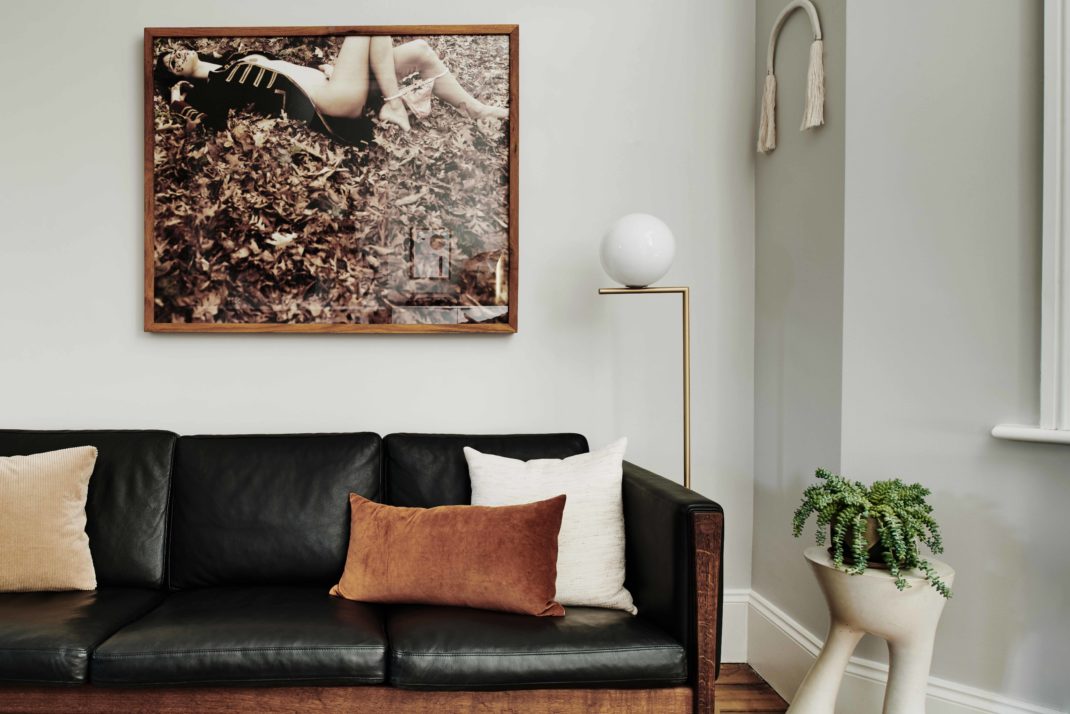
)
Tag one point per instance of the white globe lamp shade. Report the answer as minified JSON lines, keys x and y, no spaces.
{"x":637,"y":250}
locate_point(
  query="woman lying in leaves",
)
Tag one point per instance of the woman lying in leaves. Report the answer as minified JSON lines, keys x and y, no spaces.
{"x":332,"y":99}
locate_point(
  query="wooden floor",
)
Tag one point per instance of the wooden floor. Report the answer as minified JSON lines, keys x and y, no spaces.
{"x":740,"y":689}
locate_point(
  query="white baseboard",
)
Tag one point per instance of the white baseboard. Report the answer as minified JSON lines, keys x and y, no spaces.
{"x":736,"y":619}
{"x":781,"y":651}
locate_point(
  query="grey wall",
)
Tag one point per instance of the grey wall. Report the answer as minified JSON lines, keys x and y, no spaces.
{"x":799,"y":193}
{"x":934,"y":337}
{"x":943,"y":229}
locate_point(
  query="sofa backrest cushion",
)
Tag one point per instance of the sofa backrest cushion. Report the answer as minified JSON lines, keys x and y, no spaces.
{"x":126,"y":512}
{"x":427,"y":470}
{"x":263,"y":510}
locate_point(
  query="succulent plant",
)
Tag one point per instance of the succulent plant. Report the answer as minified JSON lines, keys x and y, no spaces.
{"x":900,"y":512}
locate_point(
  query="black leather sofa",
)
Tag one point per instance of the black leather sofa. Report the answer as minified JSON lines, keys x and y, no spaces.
{"x":214,"y":555}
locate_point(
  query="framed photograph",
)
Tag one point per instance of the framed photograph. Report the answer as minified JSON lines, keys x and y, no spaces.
{"x":331,"y":179}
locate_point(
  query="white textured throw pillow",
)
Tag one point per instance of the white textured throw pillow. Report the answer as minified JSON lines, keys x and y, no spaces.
{"x":43,"y":543}
{"x":590,"y":546}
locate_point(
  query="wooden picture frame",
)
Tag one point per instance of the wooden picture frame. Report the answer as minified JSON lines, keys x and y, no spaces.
{"x":205,"y":268}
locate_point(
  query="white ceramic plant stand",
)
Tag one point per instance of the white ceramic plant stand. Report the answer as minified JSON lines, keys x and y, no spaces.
{"x":870,"y":602}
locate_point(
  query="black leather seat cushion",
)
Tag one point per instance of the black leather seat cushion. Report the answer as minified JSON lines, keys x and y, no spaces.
{"x":267,"y":510}
{"x":259,"y":635}
{"x":47,"y":637}
{"x":460,"y":648}
{"x":126,"y":513}
{"x":426,"y":470}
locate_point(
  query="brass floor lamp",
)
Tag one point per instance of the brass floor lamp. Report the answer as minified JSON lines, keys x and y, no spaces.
{"x":685,"y":294}
{"x":637,"y":251}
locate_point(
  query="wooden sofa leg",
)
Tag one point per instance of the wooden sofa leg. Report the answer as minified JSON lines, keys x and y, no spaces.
{"x":708,"y":539}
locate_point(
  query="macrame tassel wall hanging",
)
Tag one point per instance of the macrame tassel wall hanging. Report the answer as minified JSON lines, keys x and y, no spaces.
{"x":814,"y":112}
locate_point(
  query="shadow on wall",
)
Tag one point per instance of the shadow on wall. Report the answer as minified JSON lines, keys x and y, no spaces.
{"x":990,"y":535}
{"x":1015,"y":649}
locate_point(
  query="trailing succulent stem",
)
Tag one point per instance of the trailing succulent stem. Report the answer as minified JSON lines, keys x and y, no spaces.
{"x":900,"y":512}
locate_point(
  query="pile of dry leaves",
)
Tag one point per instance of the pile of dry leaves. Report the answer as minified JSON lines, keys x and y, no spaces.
{"x":269,"y":221}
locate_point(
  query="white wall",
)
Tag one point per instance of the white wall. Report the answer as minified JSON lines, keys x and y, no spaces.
{"x":941,"y":296}
{"x":625,"y":106}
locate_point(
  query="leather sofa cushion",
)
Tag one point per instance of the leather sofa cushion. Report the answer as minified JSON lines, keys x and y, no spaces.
{"x":260,"y":635}
{"x":267,"y":510}
{"x":126,"y":512}
{"x":47,"y":637}
{"x":426,"y":470}
{"x":457,"y":648}
{"x":477,"y":556}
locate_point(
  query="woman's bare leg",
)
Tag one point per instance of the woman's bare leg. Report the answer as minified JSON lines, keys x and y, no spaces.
{"x":417,"y":56}
{"x":347,"y":89}
{"x":381,"y":57}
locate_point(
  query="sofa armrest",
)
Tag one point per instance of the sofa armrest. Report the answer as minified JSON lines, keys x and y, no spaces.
{"x":674,"y":549}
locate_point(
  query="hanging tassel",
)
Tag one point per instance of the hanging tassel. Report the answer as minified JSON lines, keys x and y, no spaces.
{"x":814,"y":114}
{"x":767,"y":125}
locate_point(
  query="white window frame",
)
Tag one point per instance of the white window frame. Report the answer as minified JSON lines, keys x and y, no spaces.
{"x":1054,"y":423}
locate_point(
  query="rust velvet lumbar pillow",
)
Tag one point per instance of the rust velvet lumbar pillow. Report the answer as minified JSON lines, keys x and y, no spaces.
{"x":494,"y":558}
{"x":43,"y":543}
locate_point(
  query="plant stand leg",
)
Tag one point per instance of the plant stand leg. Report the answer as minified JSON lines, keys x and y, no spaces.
{"x":817,"y":693}
{"x":908,"y":670}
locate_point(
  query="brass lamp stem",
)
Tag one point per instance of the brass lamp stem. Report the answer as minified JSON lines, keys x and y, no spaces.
{"x":685,"y":293}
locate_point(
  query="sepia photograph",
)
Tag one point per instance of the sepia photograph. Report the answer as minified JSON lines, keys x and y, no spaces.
{"x":353,"y":180}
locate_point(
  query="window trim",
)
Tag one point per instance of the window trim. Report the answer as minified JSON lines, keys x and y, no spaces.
{"x":1054,"y":422}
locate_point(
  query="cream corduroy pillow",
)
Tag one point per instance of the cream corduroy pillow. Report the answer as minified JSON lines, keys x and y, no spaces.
{"x":590,"y":546}
{"x":43,"y":544}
